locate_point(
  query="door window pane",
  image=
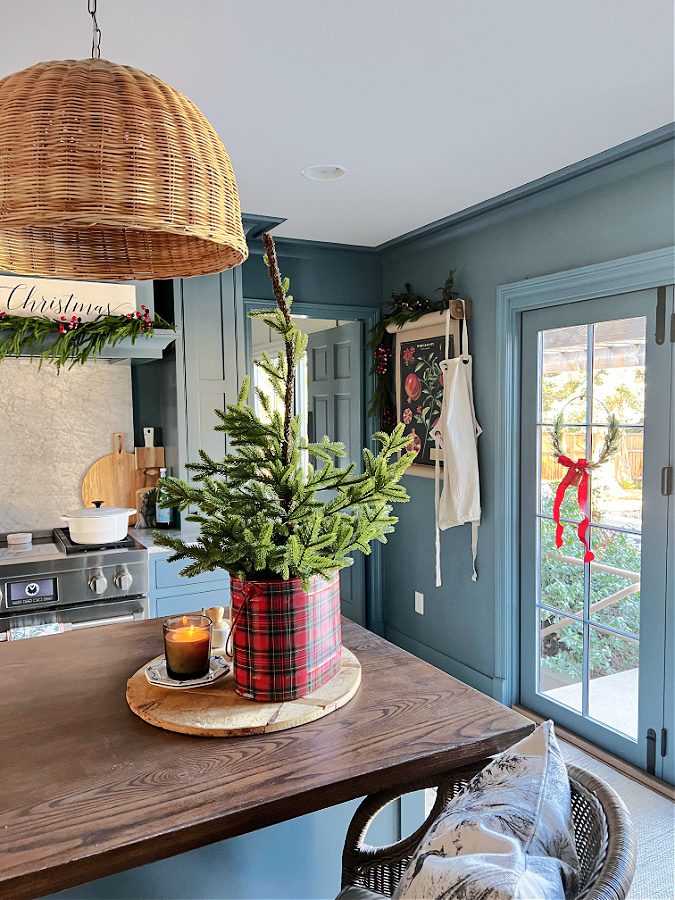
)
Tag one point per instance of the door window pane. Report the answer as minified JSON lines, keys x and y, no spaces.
{"x":619,"y":370}
{"x":561,"y":578}
{"x":561,"y":649}
{"x":589,"y":614}
{"x":615,"y":580}
{"x":613,"y":686}
{"x":617,"y":484}
{"x":564,"y":373}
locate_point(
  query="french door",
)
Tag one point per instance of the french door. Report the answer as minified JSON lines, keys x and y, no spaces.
{"x":596,"y":639}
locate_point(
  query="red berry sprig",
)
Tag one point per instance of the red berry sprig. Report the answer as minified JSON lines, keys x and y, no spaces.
{"x":382,"y":357}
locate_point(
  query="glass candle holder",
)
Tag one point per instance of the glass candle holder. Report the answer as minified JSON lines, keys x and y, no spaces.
{"x":187,"y":646}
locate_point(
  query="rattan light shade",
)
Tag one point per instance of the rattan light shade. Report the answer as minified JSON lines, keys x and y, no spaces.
{"x":109,"y":173}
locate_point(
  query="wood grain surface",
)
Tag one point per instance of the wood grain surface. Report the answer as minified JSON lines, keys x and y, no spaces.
{"x":216,"y":710}
{"x":112,"y":478}
{"x":90,"y":789}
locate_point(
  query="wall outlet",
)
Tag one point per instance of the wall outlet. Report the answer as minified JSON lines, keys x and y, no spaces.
{"x":419,"y":603}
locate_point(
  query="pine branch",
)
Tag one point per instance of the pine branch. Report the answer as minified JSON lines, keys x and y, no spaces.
{"x":264,"y":514}
{"x":284,"y":308}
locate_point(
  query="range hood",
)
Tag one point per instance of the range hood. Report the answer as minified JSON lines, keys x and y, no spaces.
{"x":53,"y":297}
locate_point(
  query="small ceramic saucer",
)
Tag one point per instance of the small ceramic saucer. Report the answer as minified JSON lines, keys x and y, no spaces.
{"x":156,"y":674}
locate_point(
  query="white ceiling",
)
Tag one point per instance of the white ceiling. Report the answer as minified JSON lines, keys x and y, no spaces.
{"x":432,"y":105}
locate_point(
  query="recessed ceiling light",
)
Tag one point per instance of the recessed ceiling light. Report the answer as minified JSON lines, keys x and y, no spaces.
{"x":323,"y":172}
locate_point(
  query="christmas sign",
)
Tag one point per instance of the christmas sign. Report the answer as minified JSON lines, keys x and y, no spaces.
{"x":55,"y":298}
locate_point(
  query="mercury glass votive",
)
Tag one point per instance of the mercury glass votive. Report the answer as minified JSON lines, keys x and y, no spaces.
{"x":187,"y":646}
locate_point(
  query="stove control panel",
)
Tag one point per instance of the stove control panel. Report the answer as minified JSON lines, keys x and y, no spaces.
{"x":28,"y":593}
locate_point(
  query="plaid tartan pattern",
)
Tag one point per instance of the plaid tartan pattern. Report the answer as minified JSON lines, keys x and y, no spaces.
{"x":287,"y":642}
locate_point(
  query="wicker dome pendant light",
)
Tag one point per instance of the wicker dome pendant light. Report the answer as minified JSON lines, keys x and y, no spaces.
{"x":108,"y":173}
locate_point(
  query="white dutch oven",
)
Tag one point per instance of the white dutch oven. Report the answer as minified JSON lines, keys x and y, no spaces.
{"x":98,"y":526}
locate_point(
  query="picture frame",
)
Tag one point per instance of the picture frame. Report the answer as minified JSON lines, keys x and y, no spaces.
{"x":419,"y":350}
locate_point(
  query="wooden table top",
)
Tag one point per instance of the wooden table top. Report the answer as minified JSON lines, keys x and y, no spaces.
{"x":90,"y":789}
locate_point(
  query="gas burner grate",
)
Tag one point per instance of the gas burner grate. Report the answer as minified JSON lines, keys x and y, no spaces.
{"x":63,"y":541}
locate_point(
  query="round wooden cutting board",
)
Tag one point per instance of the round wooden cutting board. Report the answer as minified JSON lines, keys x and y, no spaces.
{"x":218,"y":711}
{"x":112,"y":478}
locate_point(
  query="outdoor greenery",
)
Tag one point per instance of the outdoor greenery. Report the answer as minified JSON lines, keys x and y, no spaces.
{"x":263,"y":513}
{"x":562,"y":588}
{"x":562,"y":582}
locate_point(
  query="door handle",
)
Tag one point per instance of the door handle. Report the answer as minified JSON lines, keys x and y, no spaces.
{"x":660,"y":333}
{"x":651,"y":751}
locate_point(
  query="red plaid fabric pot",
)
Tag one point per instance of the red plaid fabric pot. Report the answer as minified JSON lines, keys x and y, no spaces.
{"x":286,"y":641}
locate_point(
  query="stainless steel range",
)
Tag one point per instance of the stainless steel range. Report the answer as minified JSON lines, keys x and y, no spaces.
{"x":64,"y":585}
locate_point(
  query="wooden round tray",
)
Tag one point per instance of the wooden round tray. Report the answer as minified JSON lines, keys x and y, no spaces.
{"x":218,"y":711}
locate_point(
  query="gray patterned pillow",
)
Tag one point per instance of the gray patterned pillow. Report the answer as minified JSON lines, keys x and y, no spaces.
{"x":507,"y":836}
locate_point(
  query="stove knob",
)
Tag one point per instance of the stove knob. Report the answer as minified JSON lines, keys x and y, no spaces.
{"x":98,"y":584}
{"x":123,"y":581}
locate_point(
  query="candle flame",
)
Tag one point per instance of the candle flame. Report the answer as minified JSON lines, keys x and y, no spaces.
{"x":184,"y":620}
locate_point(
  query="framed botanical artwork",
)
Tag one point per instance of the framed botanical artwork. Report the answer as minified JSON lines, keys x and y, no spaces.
{"x":419,"y":351}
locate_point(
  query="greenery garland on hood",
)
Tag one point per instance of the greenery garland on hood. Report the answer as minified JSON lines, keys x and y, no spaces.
{"x":69,"y":339}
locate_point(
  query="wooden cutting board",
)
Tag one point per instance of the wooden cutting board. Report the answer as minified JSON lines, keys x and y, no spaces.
{"x":216,"y":710}
{"x":149,"y":460}
{"x":112,"y":478}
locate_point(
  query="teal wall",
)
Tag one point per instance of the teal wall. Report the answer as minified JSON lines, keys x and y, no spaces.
{"x":622,"y":209}
{"x":319,"y":273}
{"x":622,"y":205}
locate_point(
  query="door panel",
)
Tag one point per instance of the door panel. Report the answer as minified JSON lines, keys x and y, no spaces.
{"x":592,"y":633}
{"x":335,"y":392}
{"x":210,"y":369}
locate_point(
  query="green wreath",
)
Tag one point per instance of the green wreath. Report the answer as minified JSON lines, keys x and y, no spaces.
{"x":610,"y":446}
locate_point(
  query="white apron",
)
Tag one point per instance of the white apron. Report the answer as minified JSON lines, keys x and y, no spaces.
{"x":456,"y":434}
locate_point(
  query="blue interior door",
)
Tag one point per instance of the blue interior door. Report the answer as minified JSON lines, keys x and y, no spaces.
{"x":335,"y":407}
{"x":595,"y":652}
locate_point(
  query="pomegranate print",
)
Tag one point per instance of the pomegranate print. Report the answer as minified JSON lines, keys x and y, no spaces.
{"x":415,"y":442}
{"x":412,"y":387}
{"x":420,"y":393}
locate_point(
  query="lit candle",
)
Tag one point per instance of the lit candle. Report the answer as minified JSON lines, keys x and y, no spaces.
{"x":187,"y":646}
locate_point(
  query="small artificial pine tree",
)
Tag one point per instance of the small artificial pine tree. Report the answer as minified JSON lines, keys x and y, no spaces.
{"x":265,"y":516}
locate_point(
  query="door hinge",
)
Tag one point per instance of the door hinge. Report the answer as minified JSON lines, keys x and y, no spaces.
{"x":666,"y":481}
{"x":664,"y":742}
{"x":651,"y":751}
{"x":660,"y":333}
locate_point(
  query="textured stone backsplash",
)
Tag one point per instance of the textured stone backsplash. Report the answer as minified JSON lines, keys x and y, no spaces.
{"x":52,"y":428}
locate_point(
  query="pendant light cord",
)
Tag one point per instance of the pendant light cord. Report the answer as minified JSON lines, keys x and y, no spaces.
{"x":96,"y":31}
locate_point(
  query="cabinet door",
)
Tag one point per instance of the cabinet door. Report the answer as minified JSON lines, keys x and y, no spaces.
{"x":167,"y":575}
{"x":189,"y":601}
{"x":209,"y":341}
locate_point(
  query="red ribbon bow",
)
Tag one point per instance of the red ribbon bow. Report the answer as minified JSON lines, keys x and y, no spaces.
{"x":577,"y":474}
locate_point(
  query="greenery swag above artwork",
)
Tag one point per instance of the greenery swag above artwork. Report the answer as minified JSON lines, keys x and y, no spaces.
{"x":400,"y":309}
{"x":69,"y":339}
{"x":266,"y":515}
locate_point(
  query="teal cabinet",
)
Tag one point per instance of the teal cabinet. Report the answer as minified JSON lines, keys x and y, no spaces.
{"x":167,"y":575}
{"x":171,"y":594}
